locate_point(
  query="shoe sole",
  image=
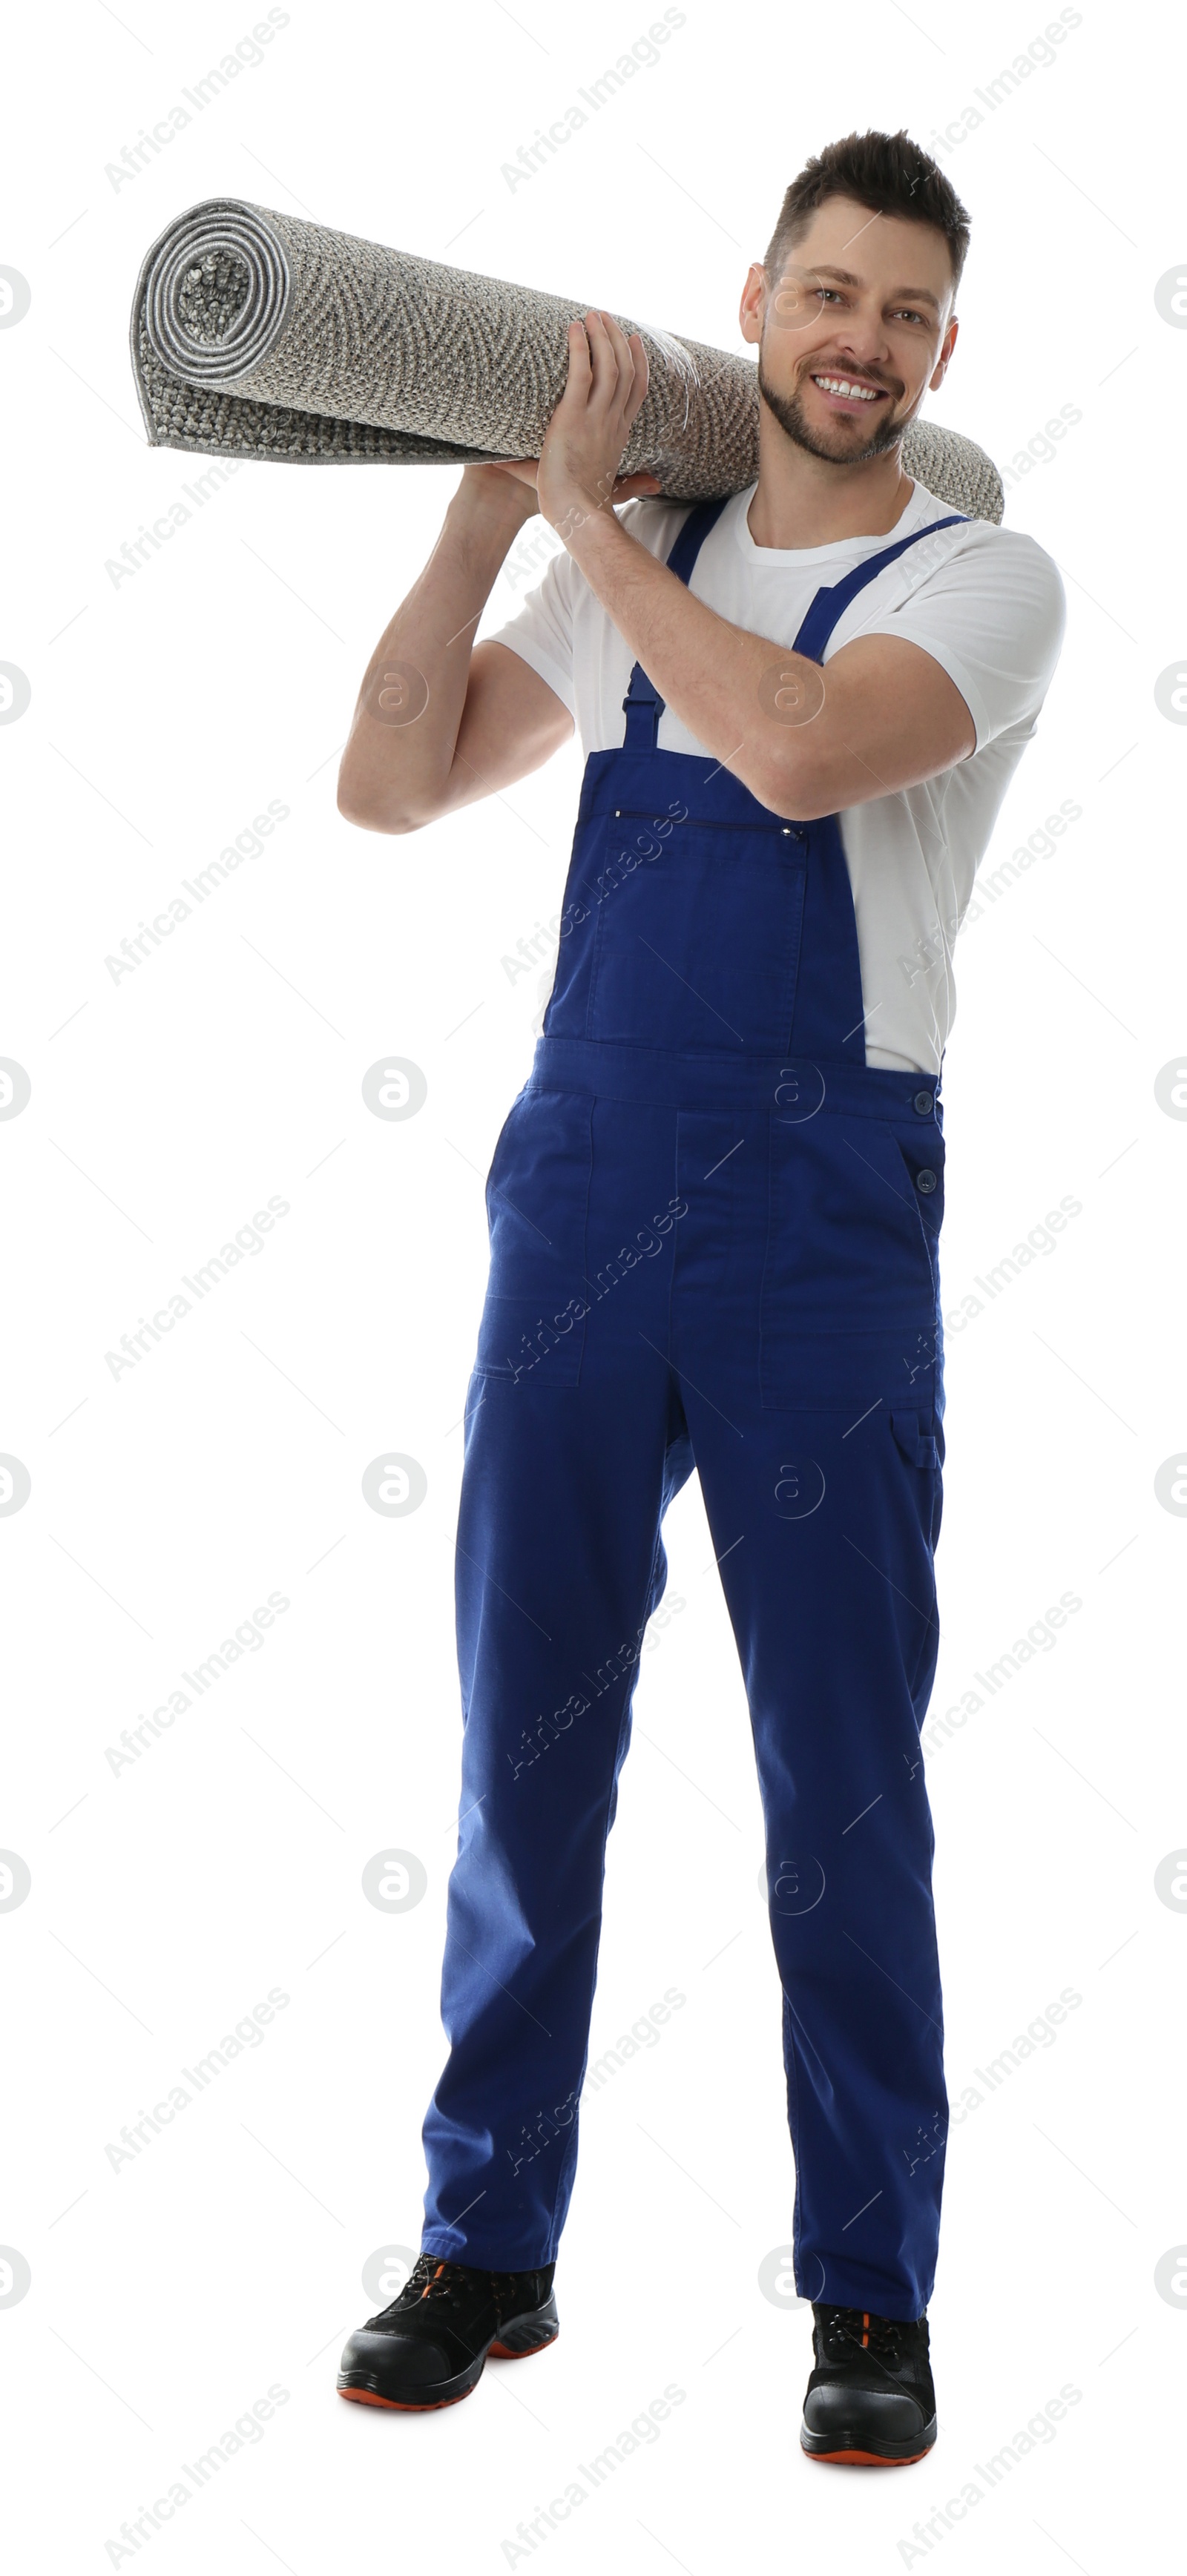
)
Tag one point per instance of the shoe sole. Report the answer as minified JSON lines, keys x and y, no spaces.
{"x":890,"y":2458}
{"x":524,"y":2335}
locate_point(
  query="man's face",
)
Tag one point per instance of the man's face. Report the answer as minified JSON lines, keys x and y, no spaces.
{"x":863,"y":302}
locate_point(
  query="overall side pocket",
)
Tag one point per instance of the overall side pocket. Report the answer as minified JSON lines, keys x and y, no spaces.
{"x":537,"y":1195}
{"x":850,"y":1293}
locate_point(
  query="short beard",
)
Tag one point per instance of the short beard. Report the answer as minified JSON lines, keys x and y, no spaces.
{"x":789,"y":413}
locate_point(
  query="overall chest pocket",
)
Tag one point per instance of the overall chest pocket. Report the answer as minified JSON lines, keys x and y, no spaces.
{"x":537,"y":1194}
{"x":697,"y":945}
{"x":850,"y":1292}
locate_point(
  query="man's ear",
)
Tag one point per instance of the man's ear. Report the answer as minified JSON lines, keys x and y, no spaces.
{"x":753,"y":301}
{"x":947,"y":345}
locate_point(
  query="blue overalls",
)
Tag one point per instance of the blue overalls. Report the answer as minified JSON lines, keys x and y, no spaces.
{"x":714,"y":1236}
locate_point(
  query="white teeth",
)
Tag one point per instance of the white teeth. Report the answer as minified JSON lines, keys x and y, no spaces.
{"x":841,"y":385}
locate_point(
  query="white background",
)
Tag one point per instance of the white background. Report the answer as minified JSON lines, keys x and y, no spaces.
{"x":167,"y":1899}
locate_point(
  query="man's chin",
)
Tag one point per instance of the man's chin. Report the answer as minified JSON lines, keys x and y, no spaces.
{"x":838,"y":446}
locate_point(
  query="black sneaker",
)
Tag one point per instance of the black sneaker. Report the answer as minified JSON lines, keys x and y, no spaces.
{"x":429,"y":2347}
{"x":870,"y":2399}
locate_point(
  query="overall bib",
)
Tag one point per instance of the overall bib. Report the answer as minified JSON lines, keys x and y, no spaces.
{"x":714,"y":1235}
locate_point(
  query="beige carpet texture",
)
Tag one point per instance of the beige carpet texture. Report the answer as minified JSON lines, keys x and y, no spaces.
{"x":256,"y":334}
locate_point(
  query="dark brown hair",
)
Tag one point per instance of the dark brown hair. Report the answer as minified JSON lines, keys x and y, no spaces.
{"x":886,"y":172}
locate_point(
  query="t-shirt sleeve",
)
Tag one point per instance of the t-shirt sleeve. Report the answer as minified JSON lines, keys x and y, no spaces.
{"x":542,"y":632}
{"x":992,"y":615}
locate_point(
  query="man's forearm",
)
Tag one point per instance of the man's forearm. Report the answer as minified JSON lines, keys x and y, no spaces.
{"x":712,"y":674}
{"x":891,"y":717}
{"x":405,"y":726}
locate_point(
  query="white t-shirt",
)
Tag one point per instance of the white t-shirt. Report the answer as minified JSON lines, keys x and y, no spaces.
{"x":986,"y":602}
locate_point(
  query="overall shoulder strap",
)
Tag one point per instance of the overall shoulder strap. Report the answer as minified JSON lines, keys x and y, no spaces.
{"x":691,"y":536}
{"x":643,"y":705}
{"x":831,"y":603}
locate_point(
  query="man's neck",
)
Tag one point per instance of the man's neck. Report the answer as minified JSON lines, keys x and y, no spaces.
{"x":805,"y":500}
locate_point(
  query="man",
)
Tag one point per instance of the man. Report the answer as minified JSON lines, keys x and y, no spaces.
{"x":714,"y":1213}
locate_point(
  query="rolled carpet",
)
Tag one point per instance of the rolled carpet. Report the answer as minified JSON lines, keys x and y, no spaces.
{"x":256,"y":334}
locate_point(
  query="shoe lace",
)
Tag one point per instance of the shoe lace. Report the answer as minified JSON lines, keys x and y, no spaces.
{"x":849,"y":2329}
{"x":429,"y":2279}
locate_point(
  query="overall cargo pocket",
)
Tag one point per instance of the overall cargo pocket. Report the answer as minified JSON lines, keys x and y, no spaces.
{"x":698,"y":947}
{"x":537,"y":1195}
{"x":850,"y":1292}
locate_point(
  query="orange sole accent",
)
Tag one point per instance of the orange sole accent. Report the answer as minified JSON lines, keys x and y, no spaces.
{"x":400,"y":2406}
{"x":395,"y":2406}
{"x":867,"y":2459}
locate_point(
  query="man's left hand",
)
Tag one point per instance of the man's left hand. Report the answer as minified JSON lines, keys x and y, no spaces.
{"x":577,"y":470}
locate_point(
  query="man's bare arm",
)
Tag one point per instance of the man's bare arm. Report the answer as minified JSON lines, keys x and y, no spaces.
{"x":440,"y":722}
{"x":883,"y":716}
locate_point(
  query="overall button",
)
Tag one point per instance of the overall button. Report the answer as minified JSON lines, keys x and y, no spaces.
{"x":924,"y":1103}
{"x":925,"y":1181}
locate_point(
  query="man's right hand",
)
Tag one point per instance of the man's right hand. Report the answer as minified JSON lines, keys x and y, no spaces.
{"x":522,"y":469}
{"x":508,"y":488}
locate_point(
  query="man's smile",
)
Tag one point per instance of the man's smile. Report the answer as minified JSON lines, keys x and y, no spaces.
{"x":844,"y":391}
